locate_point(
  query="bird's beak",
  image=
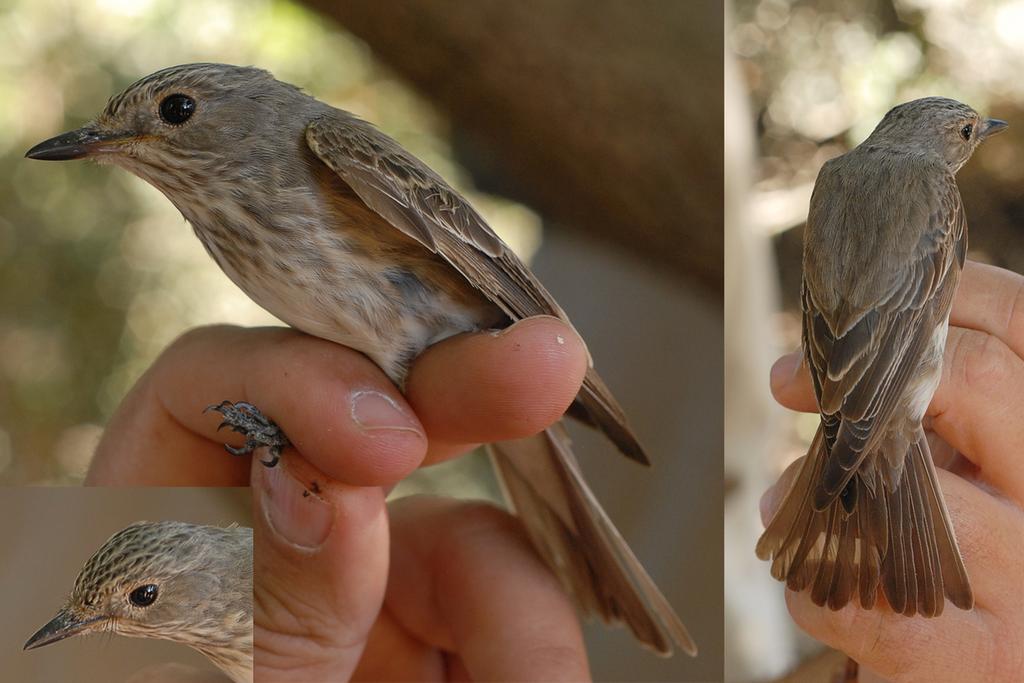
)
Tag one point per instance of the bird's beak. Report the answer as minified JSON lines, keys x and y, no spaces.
{"x":992,"y":127}
{"x":78,"y":144}
{"x":64,"y":625}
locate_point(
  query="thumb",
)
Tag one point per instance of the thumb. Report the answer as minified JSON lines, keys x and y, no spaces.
{"x":314,"y":605}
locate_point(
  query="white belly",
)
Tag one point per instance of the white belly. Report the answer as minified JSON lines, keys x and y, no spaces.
{"x":350,"y":305}
{"x":922,"y":388}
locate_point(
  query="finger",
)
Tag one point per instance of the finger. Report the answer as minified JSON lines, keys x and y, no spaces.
{"x":979,"y":407}
{"x":988,"y":530}
{"x":320,"y":563}
{"x":991,"y":300}
{"x":466,"y":579}
{"x":337,"y":408}
{"x":791,"y":383}
{"x":898,"y":648}
{"x":489,"y":386}
{"x":394,"y":654}
{"x":772,"y":498}
{"x":144,"y":445}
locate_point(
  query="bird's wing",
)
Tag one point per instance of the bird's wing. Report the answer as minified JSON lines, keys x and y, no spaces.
{"x":861,"y":366}
{"x":418,"y":202}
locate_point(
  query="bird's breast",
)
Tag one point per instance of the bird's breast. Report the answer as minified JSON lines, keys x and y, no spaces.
{"x":342,"y":277}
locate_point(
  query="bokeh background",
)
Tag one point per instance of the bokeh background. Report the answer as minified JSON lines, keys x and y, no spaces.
{"x":808,"y":80}
{"x":48,"y":534}
{"x":588,"y":132}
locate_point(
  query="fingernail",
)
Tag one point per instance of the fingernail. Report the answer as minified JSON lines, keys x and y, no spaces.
{"x":372,"y":411}
{"x":301,"y":518}
{"x":785,"y":369}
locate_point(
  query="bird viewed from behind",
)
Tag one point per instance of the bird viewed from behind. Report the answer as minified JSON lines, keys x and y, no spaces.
{"x":884,"y":246}
{"x":337,"y":230}
{"x":170,"y":580}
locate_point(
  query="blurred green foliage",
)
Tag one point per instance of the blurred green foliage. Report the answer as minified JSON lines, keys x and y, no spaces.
{"x":98,"y":272}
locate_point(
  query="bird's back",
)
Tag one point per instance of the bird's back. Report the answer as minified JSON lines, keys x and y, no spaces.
{"x":851,"y":259}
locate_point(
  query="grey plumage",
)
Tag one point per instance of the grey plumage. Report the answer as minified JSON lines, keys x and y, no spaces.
{"x":198,"y":577}
{"x":336,"y":229}
{"x":884,"y":245}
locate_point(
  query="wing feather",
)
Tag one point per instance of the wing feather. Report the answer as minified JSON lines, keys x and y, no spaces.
{"x":418,"y":202}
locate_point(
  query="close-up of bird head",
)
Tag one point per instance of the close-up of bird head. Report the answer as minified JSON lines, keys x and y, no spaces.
{"x":939,"y":125}
{"x":176,"y":128}
{"x":170,"y":580}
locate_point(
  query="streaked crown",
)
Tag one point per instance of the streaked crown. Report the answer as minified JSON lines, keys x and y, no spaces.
{"x":934,"y":125}
{"x":171,"y":580}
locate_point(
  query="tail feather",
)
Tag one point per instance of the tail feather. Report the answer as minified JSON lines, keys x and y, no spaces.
{"x":543,"y":483}
{"x":956,"y":584}
{"x":926,"y":555}
{"x":899,"y":540}
{"x":871,"y":550}
{"x":596,"y":407}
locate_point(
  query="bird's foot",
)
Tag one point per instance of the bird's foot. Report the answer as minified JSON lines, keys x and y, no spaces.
{"x":259,"y":431}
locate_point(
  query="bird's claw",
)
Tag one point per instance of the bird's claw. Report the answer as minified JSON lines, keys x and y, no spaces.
{"x":259,"y":431}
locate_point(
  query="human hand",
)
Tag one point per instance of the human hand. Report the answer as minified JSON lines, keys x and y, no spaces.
{"x":978,"y":410}
{"x":322,"y":559}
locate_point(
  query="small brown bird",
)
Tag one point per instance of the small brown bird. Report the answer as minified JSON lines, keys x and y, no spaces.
{"x":884,"y":246}
{"x":336,"y":229}
{"x":170,"y":580}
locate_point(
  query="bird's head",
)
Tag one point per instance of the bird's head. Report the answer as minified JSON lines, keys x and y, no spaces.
{"x":937,"y":125}
{"x":166,"y":580}
{"x":182,"y":127}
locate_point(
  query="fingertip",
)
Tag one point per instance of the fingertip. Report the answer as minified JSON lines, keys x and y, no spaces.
{"x":790,"y":383}
{"x":768,"y":504}
{"x":834,"y":627}
{"x":772,"y":498}
{"x":784,"y":372}
{"x":294,"y":510}
{"x":495,"y":386}
{"x":552,"y":349}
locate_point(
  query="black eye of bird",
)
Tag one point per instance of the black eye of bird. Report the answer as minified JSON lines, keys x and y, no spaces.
{"x":143,"y":596}
{"x":966,"y":131}
{"x":176,"y":109}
